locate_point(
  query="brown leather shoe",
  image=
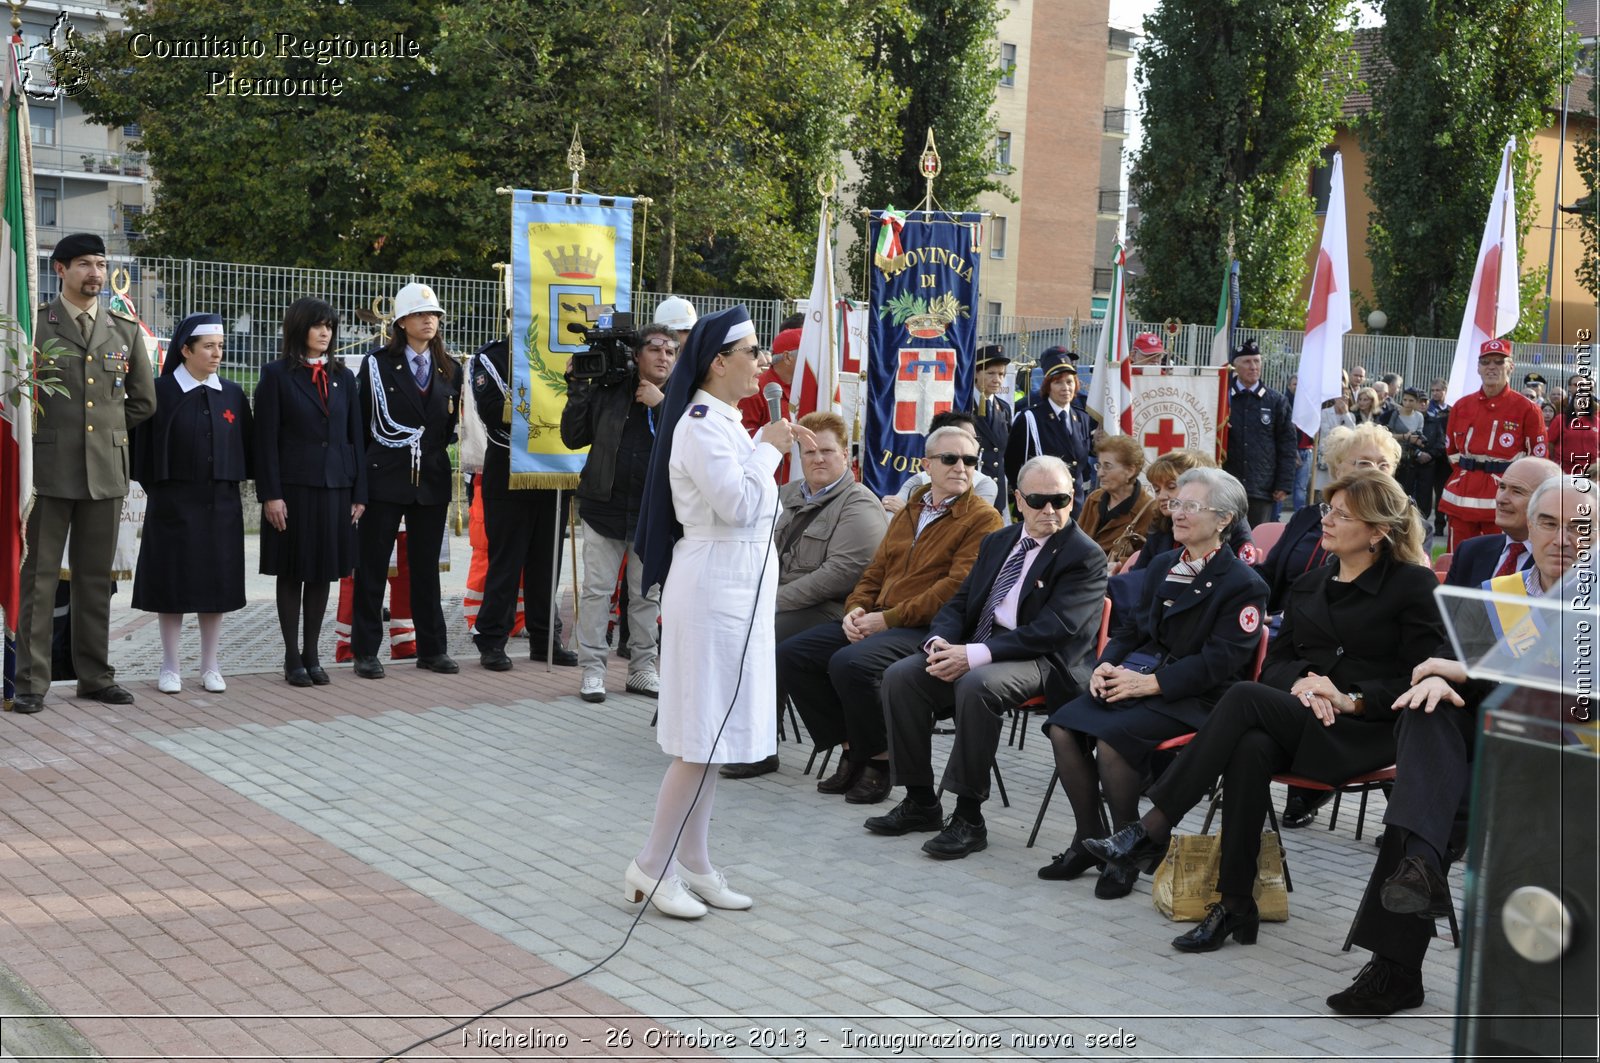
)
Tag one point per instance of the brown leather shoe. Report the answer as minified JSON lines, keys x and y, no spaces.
{"x":844,"y":776}
{"x":873,"y":786}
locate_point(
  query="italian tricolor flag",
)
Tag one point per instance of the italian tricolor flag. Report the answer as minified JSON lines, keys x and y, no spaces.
{"x":17,"y":263}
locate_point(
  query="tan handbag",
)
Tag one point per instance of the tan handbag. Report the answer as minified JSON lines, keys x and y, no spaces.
{"x":1185,"y":883}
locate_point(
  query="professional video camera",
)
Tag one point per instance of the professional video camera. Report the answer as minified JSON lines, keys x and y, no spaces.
{"x":611,"y":340}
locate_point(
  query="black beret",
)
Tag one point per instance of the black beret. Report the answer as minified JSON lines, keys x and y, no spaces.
{"x":76,"y":245}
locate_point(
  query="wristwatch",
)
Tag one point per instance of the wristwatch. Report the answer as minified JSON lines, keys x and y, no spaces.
{"x":1358,"y":702}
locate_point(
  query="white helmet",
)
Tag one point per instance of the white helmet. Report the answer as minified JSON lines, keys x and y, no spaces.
{"x":416,"y":298}
{"x":676,"y":313}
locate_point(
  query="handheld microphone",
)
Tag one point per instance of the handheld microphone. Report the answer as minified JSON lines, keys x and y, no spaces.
{"x":773,"y":393}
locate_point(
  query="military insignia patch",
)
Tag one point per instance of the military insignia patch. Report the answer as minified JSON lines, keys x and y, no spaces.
{"x":699,"y":411}
{"x":1249,"y":619}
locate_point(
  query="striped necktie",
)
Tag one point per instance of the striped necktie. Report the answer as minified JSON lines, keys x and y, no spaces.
{"x":1010,"y":572}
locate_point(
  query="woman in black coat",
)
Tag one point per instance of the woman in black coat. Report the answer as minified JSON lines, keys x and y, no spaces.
{"x":1194,"y":634}
{"x":1352,"y":633}
{"x":191,"y":457}
{"x":309,"y":477}
{"x":410,"y":405}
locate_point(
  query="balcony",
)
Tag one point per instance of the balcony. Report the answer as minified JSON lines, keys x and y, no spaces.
{"x":91,"y":163}
{"x":1116,"y":120}
{"x":1121,"y":41}
{"x":1111,"y":201}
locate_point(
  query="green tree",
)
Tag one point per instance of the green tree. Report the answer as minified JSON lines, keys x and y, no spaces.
{"x":1455,"y":80}
{"x":941,"y":55}
{"x":1587,"y":208}
{"x":1240,"y":98}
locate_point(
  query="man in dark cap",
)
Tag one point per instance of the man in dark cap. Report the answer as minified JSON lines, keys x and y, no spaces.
{"x":993,"y":416}
{"x":1054,"y":424}
{"x":1261,"y":439}
{"x":104,"y":386}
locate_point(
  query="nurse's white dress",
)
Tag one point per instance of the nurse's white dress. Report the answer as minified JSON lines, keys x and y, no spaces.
{"x":722,"y":585}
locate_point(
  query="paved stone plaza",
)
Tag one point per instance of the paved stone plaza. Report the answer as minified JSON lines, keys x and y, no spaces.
{"x":275,"y":873}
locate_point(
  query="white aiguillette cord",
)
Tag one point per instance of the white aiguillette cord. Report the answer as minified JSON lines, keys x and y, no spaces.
{"x":388,"y":431}
{"x":499,"y":382}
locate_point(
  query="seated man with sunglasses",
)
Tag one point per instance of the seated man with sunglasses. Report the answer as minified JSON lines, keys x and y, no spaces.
{"x":832,"y":672}
{"x":1023,"y":624}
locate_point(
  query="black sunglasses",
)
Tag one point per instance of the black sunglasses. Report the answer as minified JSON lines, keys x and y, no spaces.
{"x":969,"y":460}
{"x":1061,"y":502}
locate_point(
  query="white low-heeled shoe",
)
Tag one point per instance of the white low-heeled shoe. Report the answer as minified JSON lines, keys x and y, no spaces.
{"x":713,"y":889}
{"x":670,"y":898}
{"x":213,"y":682}
{"x":169,"y":683}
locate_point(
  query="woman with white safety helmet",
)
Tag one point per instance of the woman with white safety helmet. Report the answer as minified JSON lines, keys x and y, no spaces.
{"x":410,"y":405}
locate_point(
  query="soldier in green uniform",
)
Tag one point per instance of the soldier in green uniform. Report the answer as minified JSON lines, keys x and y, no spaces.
{"x":80,"y":471}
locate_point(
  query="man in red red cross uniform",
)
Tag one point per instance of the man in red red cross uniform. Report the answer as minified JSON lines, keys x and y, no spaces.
{"x":1488,"y":430}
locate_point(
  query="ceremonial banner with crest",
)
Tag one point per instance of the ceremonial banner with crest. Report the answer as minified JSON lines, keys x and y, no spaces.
{"x":568,"y":252}
{"x":1178,"y":407}
{"x":922,"y":330}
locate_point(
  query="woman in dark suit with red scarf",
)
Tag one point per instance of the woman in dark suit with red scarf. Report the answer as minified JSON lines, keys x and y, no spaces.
{"x":309,"y":477}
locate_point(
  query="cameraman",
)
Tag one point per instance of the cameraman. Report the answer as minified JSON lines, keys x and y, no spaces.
{"x":1422,"y":447}
{"x":616,"y":421}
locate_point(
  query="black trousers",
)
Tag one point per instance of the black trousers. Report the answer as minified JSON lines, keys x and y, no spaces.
{"x":525,"y":530}
{"x":834,"y":683}
{"x":1251,"y":735}
{"x":1261,"y":511}
{"x":375,"y":536}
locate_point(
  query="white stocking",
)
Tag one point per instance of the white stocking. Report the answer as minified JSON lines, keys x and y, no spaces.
{"x":171,"y":628}
{"x":678,"y":809}
{"x":210,"y":641}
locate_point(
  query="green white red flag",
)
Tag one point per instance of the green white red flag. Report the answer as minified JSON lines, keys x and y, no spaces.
{"x":17,"y":287}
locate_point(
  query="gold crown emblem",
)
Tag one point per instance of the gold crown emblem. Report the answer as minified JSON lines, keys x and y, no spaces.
{"x":574,"y":261}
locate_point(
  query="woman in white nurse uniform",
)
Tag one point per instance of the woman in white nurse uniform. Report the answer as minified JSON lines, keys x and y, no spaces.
{"x":706,"y":525}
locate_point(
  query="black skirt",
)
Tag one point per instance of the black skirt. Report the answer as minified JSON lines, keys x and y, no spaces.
{"x":1133,"y":728}
{"x":318,"y":545}
{"x":191,"y":551}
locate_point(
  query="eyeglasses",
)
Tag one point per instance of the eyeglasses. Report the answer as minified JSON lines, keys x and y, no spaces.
{"x":1370,"y":466}
{"x":1188,"y":506}
{"x":969,"y":460}
{"x":1038,"y":501}
{"x":1328,"y":512}
{"x":659,"y":344}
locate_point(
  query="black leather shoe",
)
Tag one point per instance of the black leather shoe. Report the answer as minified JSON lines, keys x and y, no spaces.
{"x":297,"y":677}
{"x":1069,"y":865}
{"x":845,"y":776}
{"x":1416,"y":888}
{"x":873,"y":786}
{"x":1215,"y":929}
{"x":1300,"y":810}
{"x":958,"y":839}
{"x":1129,"y":847}
{"x":906,"y":817}
{"x":1115,"y":882}
{"x":369,"y":668}
{"x":765,"y":766}
{"x":318,"y":676}
{"x":1382,"y":988}
{"x":26,"y":703}
{"x":440,"y":663}
{"x":494,"y":659}
{"x":111,"y":695}
{"x":564,"y":657}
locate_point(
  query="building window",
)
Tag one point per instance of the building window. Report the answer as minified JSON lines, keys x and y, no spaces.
{"x":130,"y":221}
{"x":132,"y":130}
{"x":1002,"y":152}
{"x":997,"y":237}
{"x":45,"y":207}
{"x":1008,"y":64}
{"x":1322,"y":181}
{"x":42,"y":120}
{"x":994,"y":311}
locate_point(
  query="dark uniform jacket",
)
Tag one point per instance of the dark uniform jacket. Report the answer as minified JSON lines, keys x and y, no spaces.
{"x":389,"y":473}
{"x":195,"y":437}
{"x":298,"y":442}
{"x":80,"y":440}
{"x":1066,"y":437}
{"x":1261,"y":441}
{"x":495,"y":480}
{"x":1058,"y":608}
{"x":994,"y":429}
{"x":1368,"y":641}
{"x":1205,"y":639}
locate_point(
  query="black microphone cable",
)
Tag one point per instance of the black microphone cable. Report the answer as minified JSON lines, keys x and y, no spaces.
{"x":645,"y":907}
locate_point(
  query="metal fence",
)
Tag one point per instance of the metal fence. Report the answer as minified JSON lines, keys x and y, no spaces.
{"x":251,"y":300}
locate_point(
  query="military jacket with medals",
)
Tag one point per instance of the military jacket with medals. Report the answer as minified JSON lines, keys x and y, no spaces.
{"x":80,"y":437}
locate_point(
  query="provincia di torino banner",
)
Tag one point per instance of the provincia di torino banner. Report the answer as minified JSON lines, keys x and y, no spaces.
{"x":922,"y":335}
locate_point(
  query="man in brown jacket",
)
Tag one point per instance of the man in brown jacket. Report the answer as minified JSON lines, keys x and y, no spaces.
{"x":833,"y":671}
{"x":80,"y":471}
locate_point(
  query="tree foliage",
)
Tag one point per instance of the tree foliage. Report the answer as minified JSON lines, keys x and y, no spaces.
{"x":1456,"y":79}
{"x":723,"y":112}
{"x":1240,"y":97}
{"x":1587,"y":158}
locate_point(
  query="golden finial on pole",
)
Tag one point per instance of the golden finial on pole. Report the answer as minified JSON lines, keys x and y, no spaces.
{"x":16,"y":16}
{"x":576,"y":160}
{"x":929,"y":165}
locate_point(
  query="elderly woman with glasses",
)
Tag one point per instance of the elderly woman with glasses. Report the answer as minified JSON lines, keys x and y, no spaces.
{"x":1353,"y":632}
{"x":1193,"y":635}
